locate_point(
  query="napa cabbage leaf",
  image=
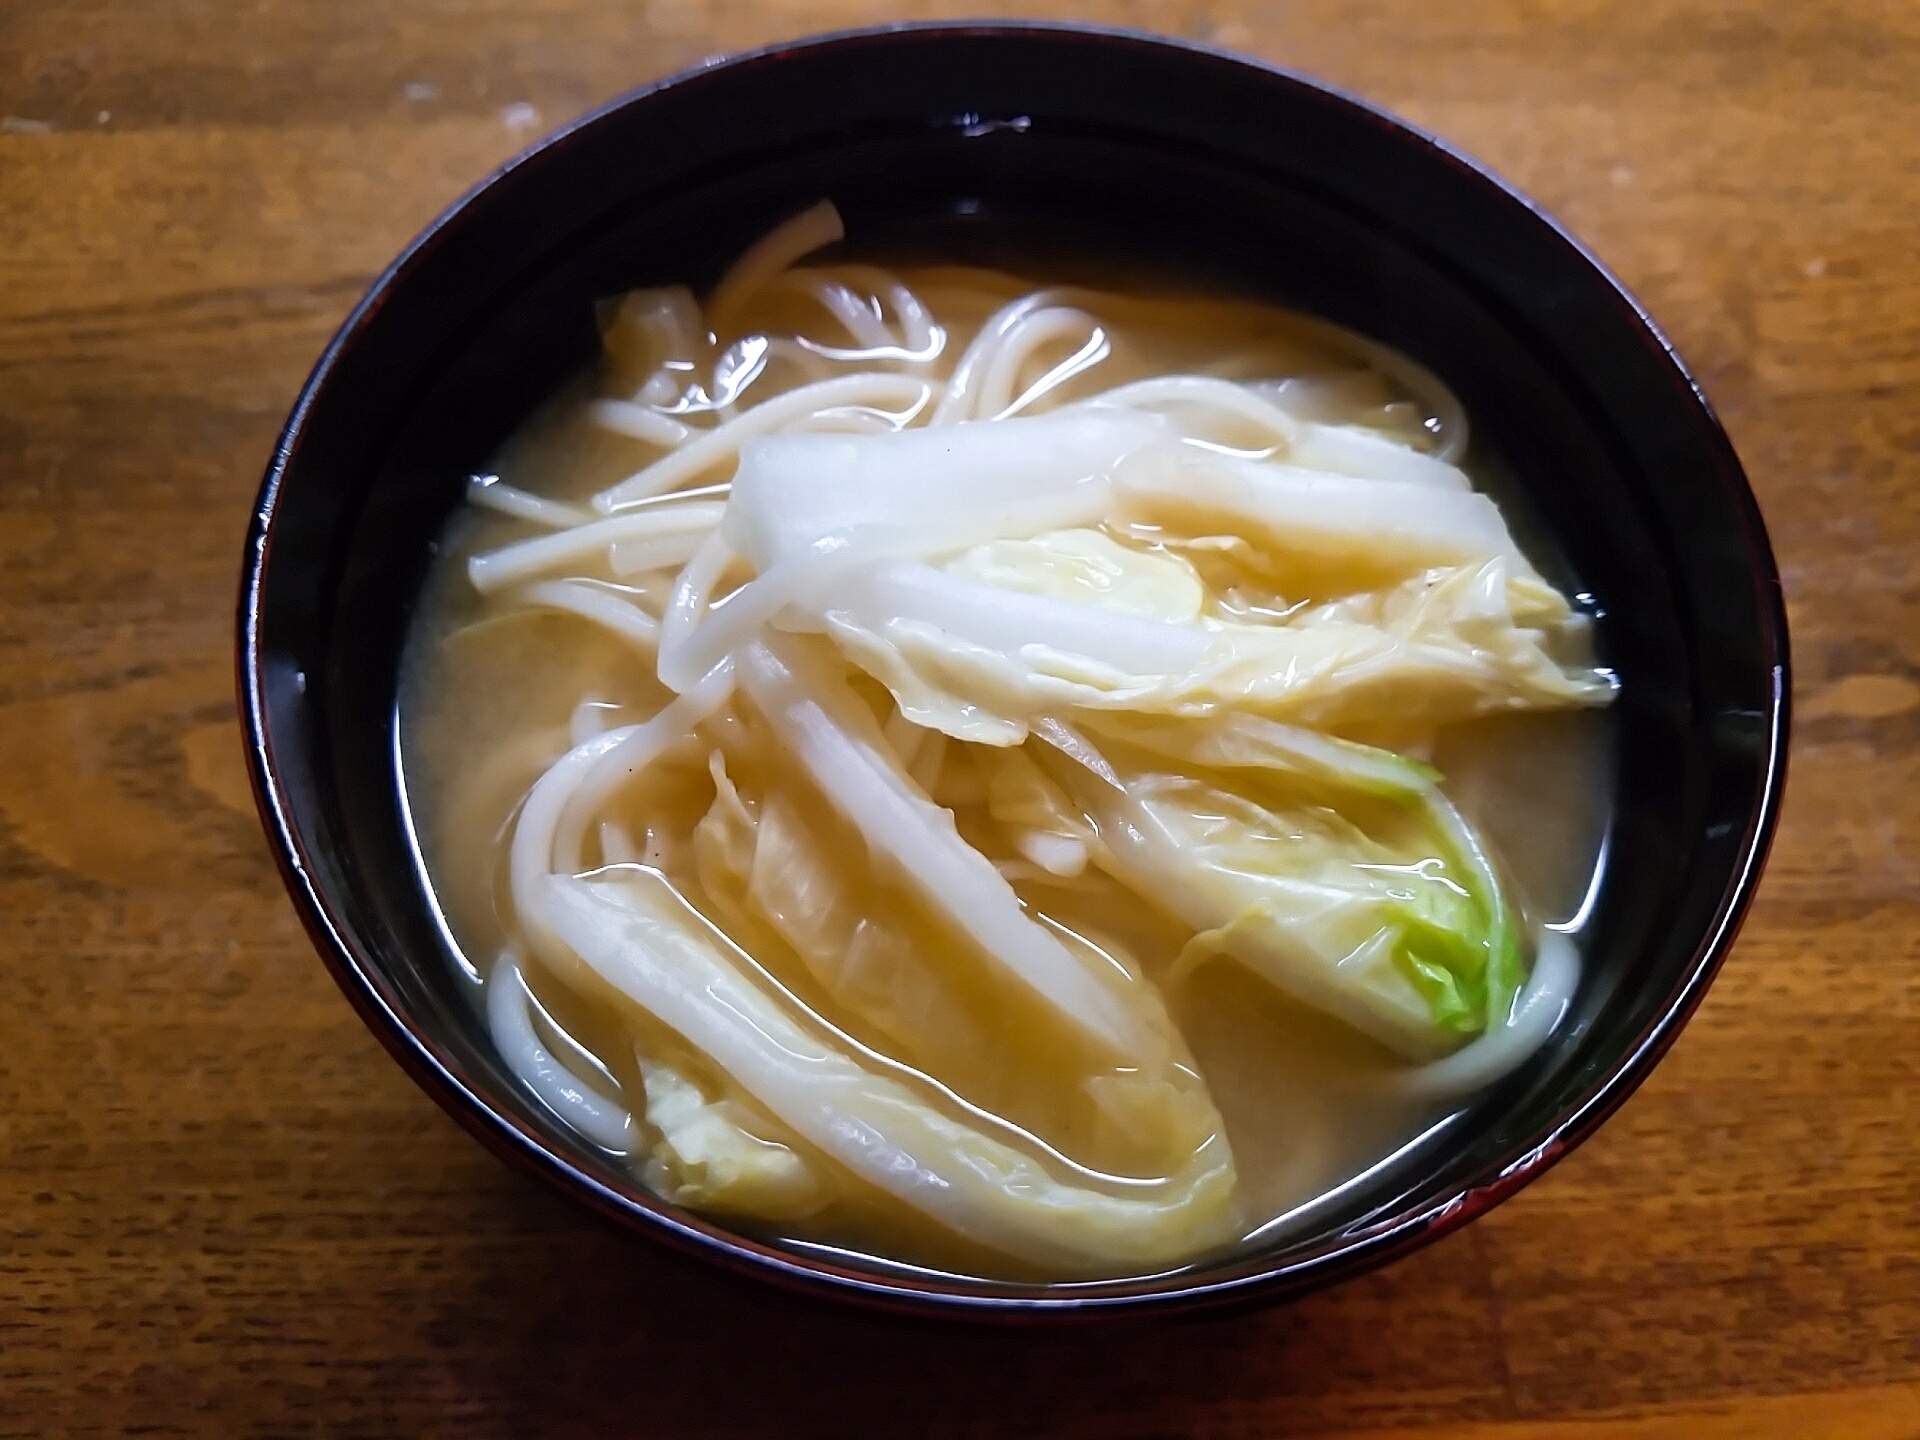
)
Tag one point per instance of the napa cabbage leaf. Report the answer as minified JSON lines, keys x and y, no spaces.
{"x":1401,"y":927}
{"x":708,"y":1155}
{"x":982,"y":661}
{"x":945,"y":487}
{"x":777,"y":873}
{"x":642,"y":942}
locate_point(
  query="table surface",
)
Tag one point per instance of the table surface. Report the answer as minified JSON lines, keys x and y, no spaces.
{"x":223,"y":1210}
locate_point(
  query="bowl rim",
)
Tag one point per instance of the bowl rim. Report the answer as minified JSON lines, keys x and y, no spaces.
{"x":1258,"y":1281}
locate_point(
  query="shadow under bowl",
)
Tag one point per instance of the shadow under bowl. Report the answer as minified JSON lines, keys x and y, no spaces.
{"x":1179,"y":157}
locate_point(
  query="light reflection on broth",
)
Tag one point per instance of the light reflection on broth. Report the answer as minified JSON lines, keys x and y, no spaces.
{"x":1171,"y":1092}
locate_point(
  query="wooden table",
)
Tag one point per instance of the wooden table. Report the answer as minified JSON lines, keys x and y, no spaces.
{"x":224,"y":1211}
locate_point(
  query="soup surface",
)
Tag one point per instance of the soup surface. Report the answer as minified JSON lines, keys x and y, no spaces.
{"x":1033,"y":781}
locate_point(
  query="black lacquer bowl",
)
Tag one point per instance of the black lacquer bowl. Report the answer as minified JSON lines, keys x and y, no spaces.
{"x":1175,"y":154}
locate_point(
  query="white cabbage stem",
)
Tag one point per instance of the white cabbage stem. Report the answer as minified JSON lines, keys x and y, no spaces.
{"x":1376,"y":528}
{"x":836,"y":741}
{"x":807,"y":508}
{"x":637,"y":937}
{"x":1008,"y":621}
{"x":1350,"y":450}
{"x":793,"y":491}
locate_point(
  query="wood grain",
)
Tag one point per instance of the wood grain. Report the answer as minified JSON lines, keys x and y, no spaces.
{"x":224,"y":1211}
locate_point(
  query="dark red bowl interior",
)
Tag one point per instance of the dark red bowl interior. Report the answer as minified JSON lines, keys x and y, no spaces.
{"x":961,"y":137}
